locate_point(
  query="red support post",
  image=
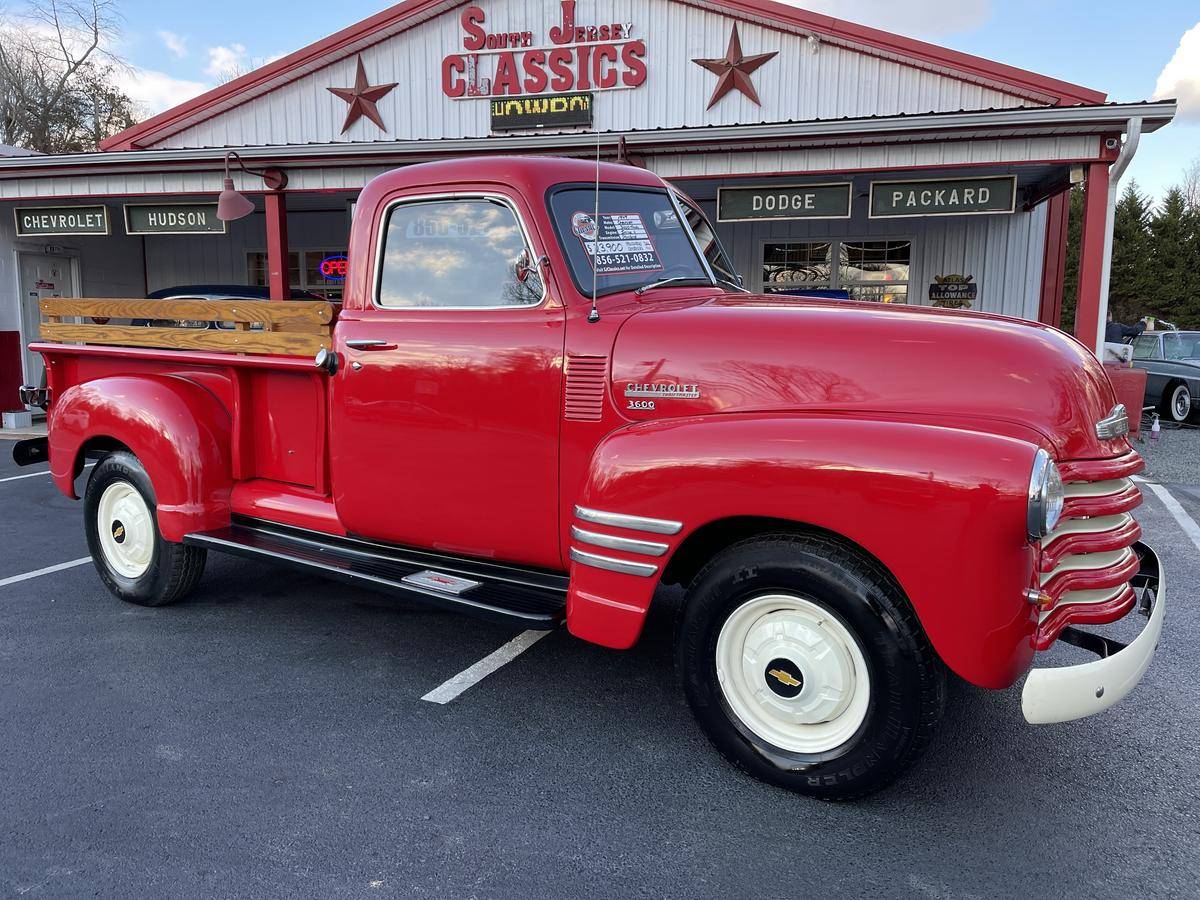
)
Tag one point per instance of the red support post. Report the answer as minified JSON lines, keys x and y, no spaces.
{"x":1091,"y":254}
{"x":278,"y":279}
{"x":1054,"y":261}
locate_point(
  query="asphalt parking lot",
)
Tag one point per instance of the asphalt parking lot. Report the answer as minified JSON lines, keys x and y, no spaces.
{"x":268,"y":737}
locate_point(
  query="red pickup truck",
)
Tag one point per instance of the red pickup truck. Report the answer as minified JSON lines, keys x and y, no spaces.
{"x":545,"y":397}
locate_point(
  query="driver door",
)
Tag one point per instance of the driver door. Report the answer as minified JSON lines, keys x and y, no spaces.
{"x":446,"y":407}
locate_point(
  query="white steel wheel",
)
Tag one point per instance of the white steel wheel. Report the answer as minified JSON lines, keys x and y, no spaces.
{"x":1181,"y":403}
{"x":792,"y":673}
{"x":125,"y":527}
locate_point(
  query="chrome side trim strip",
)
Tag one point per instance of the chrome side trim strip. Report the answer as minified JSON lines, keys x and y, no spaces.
{"x":633,"y":523}
{"x":629,"y":545}
{"x":596,"y":561}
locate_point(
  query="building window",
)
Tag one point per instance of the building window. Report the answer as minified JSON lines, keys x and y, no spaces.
{"x":304,"y":272}
{"x":864,"y":270}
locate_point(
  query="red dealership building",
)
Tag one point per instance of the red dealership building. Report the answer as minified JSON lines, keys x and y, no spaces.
{"x":834,"y":157}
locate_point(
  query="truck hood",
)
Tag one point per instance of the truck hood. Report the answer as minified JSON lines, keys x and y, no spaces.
{"x":968,"y":370}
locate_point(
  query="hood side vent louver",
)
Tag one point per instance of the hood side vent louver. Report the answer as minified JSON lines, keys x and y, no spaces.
{"x":587,"y":380}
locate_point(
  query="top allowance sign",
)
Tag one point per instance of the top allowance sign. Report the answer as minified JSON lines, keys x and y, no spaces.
{"x":172,"y":218}
{"x":944,"y":197}
{"x":801,"y":201}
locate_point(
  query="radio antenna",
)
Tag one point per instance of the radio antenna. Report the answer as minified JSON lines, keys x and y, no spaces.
{"x":594,"y":314}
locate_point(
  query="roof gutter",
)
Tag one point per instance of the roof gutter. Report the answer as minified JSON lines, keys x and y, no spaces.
{"x":1129,"y":148}
{"x":1063,"y":119}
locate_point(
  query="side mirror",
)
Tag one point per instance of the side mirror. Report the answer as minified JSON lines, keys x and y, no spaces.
{"x":523,"y":267}
{"x":526,"y":266}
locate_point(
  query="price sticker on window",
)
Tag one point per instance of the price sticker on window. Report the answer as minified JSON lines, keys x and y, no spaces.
{"x":617,"y":244}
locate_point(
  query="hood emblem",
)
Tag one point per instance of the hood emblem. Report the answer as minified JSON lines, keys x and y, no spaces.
{"x":663,"y":390}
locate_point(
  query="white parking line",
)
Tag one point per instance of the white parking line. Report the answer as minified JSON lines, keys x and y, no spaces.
{"x":467,"y":678}
{"x":46,"y":571}
{"x":35,"y":474}
{"x":1186,"y":522}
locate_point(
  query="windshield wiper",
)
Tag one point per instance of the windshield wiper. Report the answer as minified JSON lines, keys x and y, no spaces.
{"x":666,"y":281}
{"x":733,"y":284}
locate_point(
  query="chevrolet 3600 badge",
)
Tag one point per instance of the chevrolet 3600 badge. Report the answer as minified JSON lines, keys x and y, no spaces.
{"x":664,"y":391}
{"x":846,"y":522}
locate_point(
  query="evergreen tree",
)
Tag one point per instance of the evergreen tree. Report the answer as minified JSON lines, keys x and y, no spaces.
{"x":1175,"y":265}
{"x":1132,"y":289}
{"x":1071,"y":274}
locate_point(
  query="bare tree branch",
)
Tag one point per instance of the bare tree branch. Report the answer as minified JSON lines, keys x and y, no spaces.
{"x":57,"y":74}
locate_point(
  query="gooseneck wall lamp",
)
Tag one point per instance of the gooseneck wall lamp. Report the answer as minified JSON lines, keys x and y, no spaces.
{"x":231,"y":204}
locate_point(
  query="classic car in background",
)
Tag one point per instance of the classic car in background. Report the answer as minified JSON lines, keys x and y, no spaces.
{"x":1172,"y":363}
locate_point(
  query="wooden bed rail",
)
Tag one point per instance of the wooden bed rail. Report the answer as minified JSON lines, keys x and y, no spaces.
{"x":278,"y":328}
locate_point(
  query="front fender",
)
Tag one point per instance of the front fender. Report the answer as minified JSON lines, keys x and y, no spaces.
{"x":178,"y":431}
{"x":942,"y":509}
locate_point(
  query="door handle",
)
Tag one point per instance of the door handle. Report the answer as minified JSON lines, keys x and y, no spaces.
{"x":370,"y":344}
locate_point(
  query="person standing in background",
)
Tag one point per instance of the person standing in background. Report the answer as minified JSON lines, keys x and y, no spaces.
{"x":1116,"y":333}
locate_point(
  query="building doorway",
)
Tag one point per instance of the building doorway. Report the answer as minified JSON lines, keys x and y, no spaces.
{"x":41,"y":275}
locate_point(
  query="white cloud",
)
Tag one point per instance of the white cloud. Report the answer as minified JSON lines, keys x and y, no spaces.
{"x":224,"y":60}
{"x":1180,"y":77}
{"x":176,"y":43}
{"x":154,"y":92}
{"x":920,"y":18}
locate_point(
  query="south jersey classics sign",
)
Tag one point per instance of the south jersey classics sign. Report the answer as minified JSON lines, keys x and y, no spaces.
{"x":569,"y":58}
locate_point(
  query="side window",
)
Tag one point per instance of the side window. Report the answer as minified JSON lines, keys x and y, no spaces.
{"x":1146,"y":347}
{"x":1172,"y":347}
{"x":456,"y":253}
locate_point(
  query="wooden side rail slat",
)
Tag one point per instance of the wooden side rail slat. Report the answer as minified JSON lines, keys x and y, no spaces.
{"x":276,"y":343}
{"x":262,"y":312}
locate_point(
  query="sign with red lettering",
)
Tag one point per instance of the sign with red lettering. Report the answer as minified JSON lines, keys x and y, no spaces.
{"x":577,"y":59}
{"x":333,"y":268}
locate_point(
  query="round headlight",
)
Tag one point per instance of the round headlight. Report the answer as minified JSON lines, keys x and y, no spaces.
{"x":1046,"y":497}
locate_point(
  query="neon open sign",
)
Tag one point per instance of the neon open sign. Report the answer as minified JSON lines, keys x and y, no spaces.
{"x":333,"y":268}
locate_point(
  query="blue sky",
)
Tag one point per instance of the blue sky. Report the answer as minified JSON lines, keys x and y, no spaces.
{"x":1121,"y":48}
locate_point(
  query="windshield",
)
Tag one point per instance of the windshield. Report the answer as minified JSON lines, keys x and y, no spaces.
{"x":637,"y":241}
{"x":1181,"y":345}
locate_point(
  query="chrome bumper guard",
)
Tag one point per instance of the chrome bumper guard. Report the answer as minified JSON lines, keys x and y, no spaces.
{"x":1072,"y":692}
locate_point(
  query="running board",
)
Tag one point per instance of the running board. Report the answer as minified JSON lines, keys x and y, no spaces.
{"x":529,"y":598}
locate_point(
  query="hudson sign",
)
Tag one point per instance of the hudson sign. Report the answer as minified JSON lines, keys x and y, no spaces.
{"x":572,"y":58}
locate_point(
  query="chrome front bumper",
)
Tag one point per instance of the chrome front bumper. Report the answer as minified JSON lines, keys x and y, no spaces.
{"x":1072,"y":692}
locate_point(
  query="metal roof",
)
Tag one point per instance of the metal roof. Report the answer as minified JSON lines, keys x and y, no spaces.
{"x":1108,"y":118}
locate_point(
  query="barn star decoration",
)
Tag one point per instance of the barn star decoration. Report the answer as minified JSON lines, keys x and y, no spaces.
{"x":362,"y":98}
{"x":733,"y":70}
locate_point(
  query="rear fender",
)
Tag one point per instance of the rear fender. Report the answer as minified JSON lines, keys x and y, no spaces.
{"x":943,"y":510}
{"x":178,"y":431}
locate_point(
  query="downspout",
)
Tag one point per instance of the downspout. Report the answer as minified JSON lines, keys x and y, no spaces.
{"x":1133,"y":135}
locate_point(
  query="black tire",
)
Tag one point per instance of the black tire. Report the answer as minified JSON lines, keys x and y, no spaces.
{"x":173,"y":570}
{"x":1177,"y":402}
{"x":906,"y":692}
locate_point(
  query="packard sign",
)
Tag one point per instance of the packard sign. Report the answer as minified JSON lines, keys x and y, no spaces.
{"x":573,"y":58}
{"x":944,"y":197}
{"x":172,"y":218}
{"x":802,"y":201}
{"x":559,"y":111}
{"x":47,"y":221}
